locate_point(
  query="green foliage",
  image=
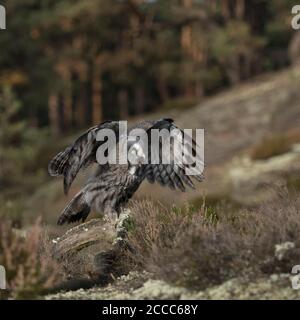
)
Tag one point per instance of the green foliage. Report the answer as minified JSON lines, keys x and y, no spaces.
{"x":139,"y":43}
{"x":20,"y":143}
{"x":234,"y":39}
{"x":211,"y":216}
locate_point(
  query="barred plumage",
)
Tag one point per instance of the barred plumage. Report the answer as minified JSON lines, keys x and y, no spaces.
{"x":109,"y":190}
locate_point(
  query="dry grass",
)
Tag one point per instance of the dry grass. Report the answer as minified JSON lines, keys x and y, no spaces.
{"x":27,"y":258}
{"x":207,"y":247}
{"x":270,"y":147}
{"x":275,"y":145}
{"x":294,"y":135}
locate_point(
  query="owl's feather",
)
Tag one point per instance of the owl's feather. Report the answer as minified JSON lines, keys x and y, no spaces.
{"x":113,"y":185}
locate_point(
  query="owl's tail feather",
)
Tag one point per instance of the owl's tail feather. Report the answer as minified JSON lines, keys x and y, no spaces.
{"x":77,"y":209}
{"x":58,"y":164}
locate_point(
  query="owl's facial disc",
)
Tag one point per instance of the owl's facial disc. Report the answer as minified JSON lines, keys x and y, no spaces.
{"x":136,"y":155}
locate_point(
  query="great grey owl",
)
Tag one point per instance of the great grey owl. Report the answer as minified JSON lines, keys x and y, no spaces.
{"x":110,"y":189}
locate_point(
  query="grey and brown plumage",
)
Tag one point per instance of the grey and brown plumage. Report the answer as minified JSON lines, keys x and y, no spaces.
{"x":110,"y":189}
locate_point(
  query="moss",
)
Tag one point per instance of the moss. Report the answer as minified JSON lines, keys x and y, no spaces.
{"x":129,"y":224}
{"x":274,"y":287}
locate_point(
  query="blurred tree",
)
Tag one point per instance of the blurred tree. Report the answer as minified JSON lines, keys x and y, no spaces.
{"x":19,"y":144}
{"x":75,"y":63}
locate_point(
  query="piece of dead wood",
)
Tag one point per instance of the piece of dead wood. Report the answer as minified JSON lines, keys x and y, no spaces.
{"x":89,"y":249}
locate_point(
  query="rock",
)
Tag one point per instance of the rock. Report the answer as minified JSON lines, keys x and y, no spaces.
{"x":159,"y":290}
{"x":253,"y":182}
{"x":88,"y":250}
{"x":283,"y":249}
{"x":121,"y":289}
{"x":141,"y":285}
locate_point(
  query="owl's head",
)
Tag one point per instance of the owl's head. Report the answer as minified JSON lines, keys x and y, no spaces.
{"x":135,"y":153}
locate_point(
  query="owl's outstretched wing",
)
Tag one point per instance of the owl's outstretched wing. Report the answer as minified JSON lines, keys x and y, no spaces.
{"x":181,"y":169}
{"x":80,"y":154}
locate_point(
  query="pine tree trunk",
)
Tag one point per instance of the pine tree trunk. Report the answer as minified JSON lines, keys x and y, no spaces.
{"x":199,"y":91}
{"x":186,"y":45}
{"x":61,"y":112}
{"x":77,"y":106}
{"x":225,"y":9}
{"x":53,"y":114}
{"x":82,"y":71}
{"x":97,"y":94}
{"x":240,"y":9}
{"x":163,"y":90}
{"x":139,"y":100}
{"x":67,"y":97}
{"x":123,"y":104}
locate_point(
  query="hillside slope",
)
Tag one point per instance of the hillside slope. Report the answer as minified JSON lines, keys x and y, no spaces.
{"x":234,"y":121}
